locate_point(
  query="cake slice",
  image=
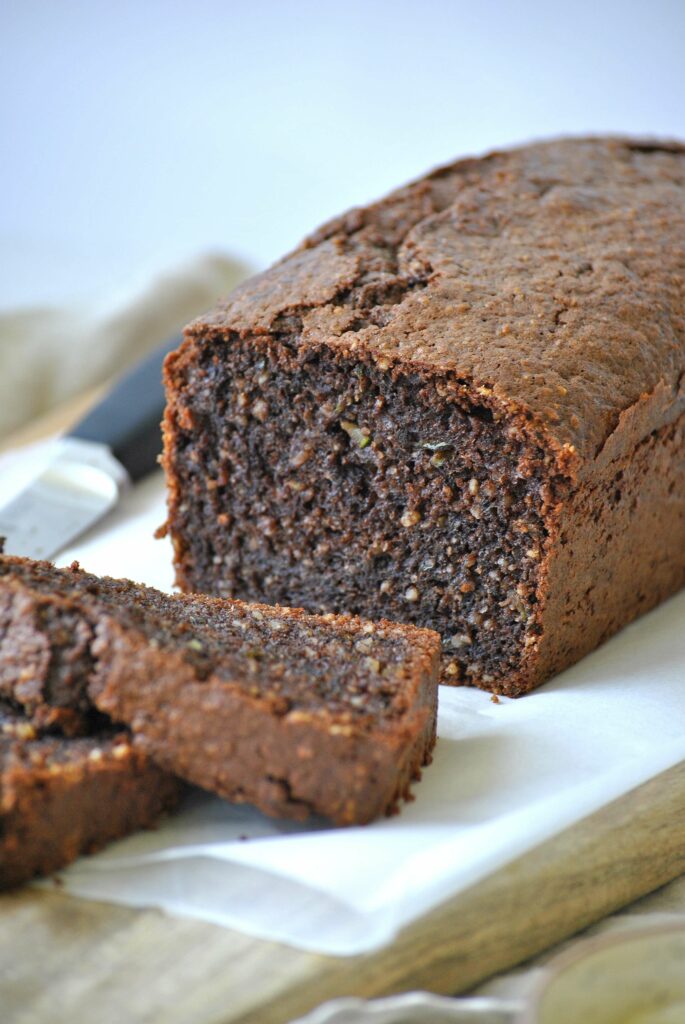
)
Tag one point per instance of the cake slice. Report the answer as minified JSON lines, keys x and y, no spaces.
{"x":61,"y":797}
{"x":298,"y":714}
{"x":462,"y":407}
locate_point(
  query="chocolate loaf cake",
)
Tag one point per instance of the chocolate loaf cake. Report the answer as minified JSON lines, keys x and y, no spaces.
{"x":297,"y":714}
{"x":63,"y":797}
{"x":460,"y":407}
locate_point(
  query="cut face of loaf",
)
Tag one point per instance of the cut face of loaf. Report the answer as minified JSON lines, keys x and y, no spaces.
{"x":461,"y":407}
{"x":297,"y":714}
{"x":368,"y":490}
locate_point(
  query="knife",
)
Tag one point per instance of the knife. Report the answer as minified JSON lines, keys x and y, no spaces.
{"x":116,"y":443}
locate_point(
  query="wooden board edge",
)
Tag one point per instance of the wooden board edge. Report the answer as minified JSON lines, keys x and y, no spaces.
{"x":593,"y":868}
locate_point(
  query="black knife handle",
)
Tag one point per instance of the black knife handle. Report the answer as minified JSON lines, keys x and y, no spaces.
{"x":127,"y":419}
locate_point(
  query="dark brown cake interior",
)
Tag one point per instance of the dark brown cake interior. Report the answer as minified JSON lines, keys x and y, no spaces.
{"x":304,"y":445}
{"x":46,"y":660}
{"x":23,"y":745}
{"x":294,"y":662}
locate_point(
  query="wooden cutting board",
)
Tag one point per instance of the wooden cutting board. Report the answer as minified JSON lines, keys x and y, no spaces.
{"x":65,"y":959}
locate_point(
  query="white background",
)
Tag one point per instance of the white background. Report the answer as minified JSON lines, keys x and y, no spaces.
{"x":135,"y":133}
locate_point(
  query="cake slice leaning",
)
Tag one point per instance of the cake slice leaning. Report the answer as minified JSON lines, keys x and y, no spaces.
{"x":61,"y":797}
{"x":298,"y":714}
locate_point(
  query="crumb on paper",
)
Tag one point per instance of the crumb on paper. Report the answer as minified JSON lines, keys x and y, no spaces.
{"x":495,"y":699}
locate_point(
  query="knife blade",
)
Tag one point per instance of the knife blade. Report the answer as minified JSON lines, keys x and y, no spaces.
{"x":116,"y":443}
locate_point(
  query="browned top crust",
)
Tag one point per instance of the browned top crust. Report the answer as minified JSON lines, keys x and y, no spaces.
{"x":550,"y":280}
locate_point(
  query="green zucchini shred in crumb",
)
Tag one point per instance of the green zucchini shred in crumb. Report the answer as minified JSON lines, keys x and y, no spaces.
{"x":355,"y":433}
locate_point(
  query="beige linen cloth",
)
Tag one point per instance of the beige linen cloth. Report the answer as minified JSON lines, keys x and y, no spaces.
{"x":49,"y":354}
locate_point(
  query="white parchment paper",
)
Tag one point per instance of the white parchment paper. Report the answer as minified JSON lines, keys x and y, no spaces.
{"x":505,"y":777}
